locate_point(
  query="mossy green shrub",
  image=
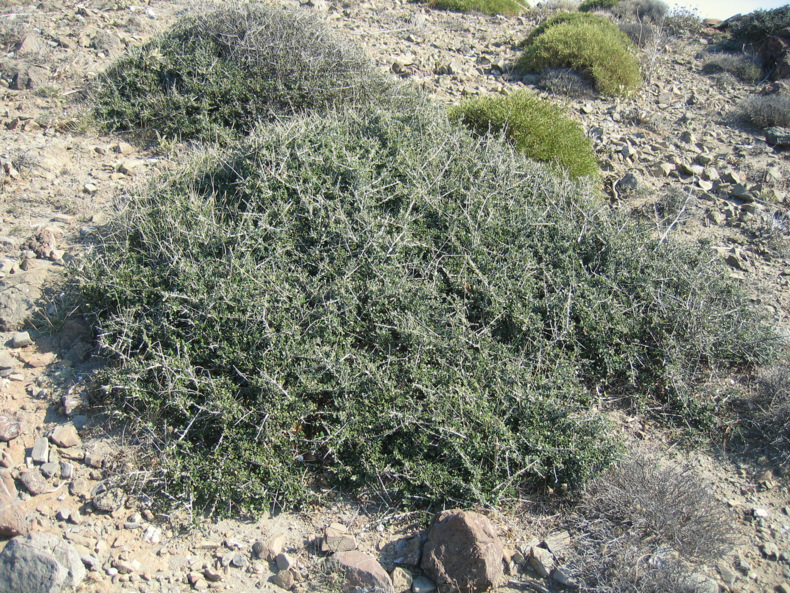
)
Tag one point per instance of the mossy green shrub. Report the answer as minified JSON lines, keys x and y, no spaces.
{"x":213,"y":75}
{"x":599,"y":50}
{"x":590,"y":5}
{"x":490,"y":7}
{"x":561,"y":18}
{"x":539,"y":129}
{"x":383,"y":302}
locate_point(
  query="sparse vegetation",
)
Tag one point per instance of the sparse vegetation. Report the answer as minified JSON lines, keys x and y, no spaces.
{"x":596,"y":49}
{"x":490,"y":7}
{"x":767,"y":111}
{"x":682,"y":22}
{"x":742,"y":67}
{"x":641,"y":11}
{"x":640,"y":34}
{"x":213,"y":76}
{"x":643,"y":524}
{"x":774,"y":419}
{"x":567,"y":82}
{"x":537,"y":128}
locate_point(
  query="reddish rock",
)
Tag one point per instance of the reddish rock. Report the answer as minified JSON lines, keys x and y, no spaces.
{"x":66,"y":436}
{"x":10,"y":427}
{"x":463,"y":551}
{"x":363,"y":571}
{"x":12,"y":519}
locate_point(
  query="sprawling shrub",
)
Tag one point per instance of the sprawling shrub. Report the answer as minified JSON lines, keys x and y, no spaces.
{"x":598,"y":50}
{"x":641,"y":11}
{"x":214,"y":75}
{"x":379,"y":300}
{"x":759,"y":24}
{"x":767,"y":111}
{"x":683,"y":22}
{"x":539,"y":129}
{"x":491,"y":7}
{"x":643,"y":523}
{"x":559,"y":19}
{"x":590,"y":5}
{"x":740,"y":66}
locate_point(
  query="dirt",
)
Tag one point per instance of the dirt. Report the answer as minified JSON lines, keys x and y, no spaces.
{"x":60,"y":178}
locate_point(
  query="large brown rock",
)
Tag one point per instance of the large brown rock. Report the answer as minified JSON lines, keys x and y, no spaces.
{"x":363,"y":572}
{"x":463,"y":551}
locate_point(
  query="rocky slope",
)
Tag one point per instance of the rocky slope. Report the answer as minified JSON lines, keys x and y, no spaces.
{"x":674,"y":153}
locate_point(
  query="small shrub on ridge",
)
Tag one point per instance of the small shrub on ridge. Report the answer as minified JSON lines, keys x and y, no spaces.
{"x":759,"y":24}
{"x":641,"y":11}
{"x":590,"y":5}
{"x":598,"y":50}
{"x":490,"y":7}
{"x":640,"y":34}
{"x":539,"y":129}
{"x":213,"y":75}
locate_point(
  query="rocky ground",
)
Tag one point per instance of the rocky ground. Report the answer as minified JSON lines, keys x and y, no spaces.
{"x":674,"y":153}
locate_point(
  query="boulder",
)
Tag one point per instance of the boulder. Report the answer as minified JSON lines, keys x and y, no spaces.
{"x":463,"y":550}
{"x":363,"y":571}
{"x":778,"y":137}
{"x":39,"y":563}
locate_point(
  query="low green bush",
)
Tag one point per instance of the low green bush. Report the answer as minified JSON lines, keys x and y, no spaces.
{"x":590,"y":5}
{"x":559,"y":19}
{"x":539,"y":129}
{"x":213,"y":75}
{"x":598,"y":50}
{"x":380,"y":301}
{"x":490,"y":7}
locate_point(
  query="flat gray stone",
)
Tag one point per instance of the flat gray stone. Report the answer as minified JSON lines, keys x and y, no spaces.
{"x":40,"y":452}
{"x":39,"y":563}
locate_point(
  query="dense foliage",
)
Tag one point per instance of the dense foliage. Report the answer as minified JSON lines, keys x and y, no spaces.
{"x":597,"y":49}
{"x":539,"y":129}
{"x":379,"y":300}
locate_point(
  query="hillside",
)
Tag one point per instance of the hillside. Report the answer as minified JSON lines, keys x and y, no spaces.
{"x":700,"y":502}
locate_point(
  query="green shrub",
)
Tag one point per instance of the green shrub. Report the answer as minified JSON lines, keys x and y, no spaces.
{"x":490,"y":7}
{"x":598,"y":50}
{"x":590,"y":5}
{"x":683,"y":22}
{"x":212,"y":76}
{"x":380,"y":301}
{"x":756,"y":26}
{"x":539,"y":129}
{"x":559,"y":19}
{"x":740,"y":66}
{"x":641,"y":11}
{"x":767,"y":111}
